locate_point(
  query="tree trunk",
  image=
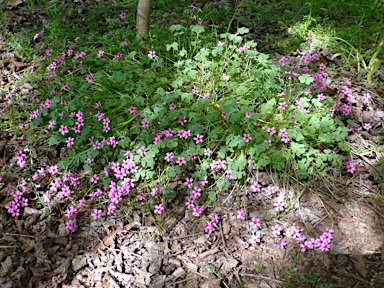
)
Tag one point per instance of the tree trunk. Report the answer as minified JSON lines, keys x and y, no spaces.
{"x":143,"y":17}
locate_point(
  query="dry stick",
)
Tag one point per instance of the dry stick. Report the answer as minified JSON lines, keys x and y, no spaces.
{"x":238,"y":277}
{"x":181,"y":237}
{"x":194,"y":272}
{"x":366,"y":161}
{"x":21,"y":235}
{"x":184,"y":280}
{"x":262,"y":277}
{"x":222,"y":239}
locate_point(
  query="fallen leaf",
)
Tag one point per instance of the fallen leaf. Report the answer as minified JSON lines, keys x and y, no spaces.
{"x":29,"y":246}
{"x":380,"y":90}
{"x":358,"y":171}
{"x":13,"y":3}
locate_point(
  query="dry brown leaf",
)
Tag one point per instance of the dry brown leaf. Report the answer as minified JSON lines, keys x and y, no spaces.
{"x":29,"y":246}
{"x":13,"y":3}
{"x":358,"y":171}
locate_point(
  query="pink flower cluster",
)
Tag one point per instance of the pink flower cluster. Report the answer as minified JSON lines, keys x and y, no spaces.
{"x":211,"y":226}
{"x":20,"y":156}
{"x":218,"y":164}
{"x":284,"y":135}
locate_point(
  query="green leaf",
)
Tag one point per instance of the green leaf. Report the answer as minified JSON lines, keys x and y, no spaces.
{"x":264,"y":160}
{"x":242,"y":30}
{"x":222,"y":184}
{"x":169,"y":193}
{"x":241,"y":90}
{"x":298,"y":149}
{"x":174,"y":46}
{"x":267,"y":108}
{"x":306,"y":79}
{"x":53,"y":140}
{"x":212,"y":197}
{"x":197,"y":29}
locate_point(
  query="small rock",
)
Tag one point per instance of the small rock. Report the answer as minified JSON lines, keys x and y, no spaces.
{"x":79,"y":262}
{"x":30,"y":211}
{"x":24,"y":91}
{"x":179,"y":273}
{"x":7,"y":265}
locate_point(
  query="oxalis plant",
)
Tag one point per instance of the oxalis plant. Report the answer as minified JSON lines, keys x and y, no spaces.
{"x":204,"y":107}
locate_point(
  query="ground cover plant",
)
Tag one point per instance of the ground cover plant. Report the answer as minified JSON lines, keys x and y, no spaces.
{"x":189,"y":111}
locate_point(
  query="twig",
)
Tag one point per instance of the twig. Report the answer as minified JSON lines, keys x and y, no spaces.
{"x":194,"y":272}
{"x":184,"y":280}
{"x":238,"y":278}
{"x":366,"y":161}
{"x":21,"y":235}
{"x":262,"y":277}
{"x":222,"y":239}
{"x":181,"y":237}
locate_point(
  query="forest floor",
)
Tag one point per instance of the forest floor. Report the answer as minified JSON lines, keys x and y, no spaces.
{"x":39,"y":252}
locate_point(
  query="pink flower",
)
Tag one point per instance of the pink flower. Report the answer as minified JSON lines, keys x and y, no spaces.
{"x":53,"y":169}
{"x":142,"y":151}
{"x":366,"y":98}
{"x":255,"y":239}
{"x":197,"y":210}
{"x":255,"y":223}
{"x":96,"y":214}
{"x":271,"y":131}
{"x":118,"y":56}
{"x":145,"y":123}
{"x":132,"y":110}
{"x":350,"y":167}
{"x":169,"y":157}
{"x":207,"y":152}
{"x":51,"y":124}
{"x":94,"y":179}
{"x":209,"y":228}
{"x":270,"y":190}
{"x":100,"y":54}
{"x":279,"y":206}
{"x":248,"y":115}
{"x":276,"y":230}
{"x":255,"y":187}
{"x":203,"y":182}
{"x":283,"y":106}
{"x":241,"y":214}
{"x":281,"y":244}
{"x":159,"y":209}
{"x":367,"y":126}
{"x":141,"y":197}
{"x":123,"y":15}
{"x":180,"y":161}
{"x":172,"y":106}
{"x":247,"y":137}
{"x":70,"y":142}
{"x":152,"y":54}
{"x":198,"y":138}
{"x":195,"y":90}
{"x":89,"y":78}
{"x":188,"y":182}
{"x":71,"y":226}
